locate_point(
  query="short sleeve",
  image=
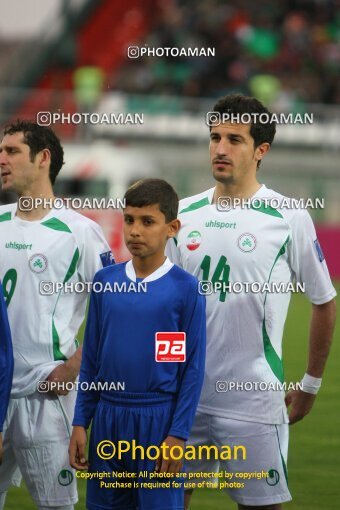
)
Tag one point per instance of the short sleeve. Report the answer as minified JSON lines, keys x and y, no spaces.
{"x":307,"y":260}
{"x":95,"y":252}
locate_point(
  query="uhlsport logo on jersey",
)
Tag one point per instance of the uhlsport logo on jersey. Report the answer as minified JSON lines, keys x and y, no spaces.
{"x":193,"y":240}
{"x":273,"y":477}
{"x":65,"y":477}
{"x":38,"y":263}
{"x":170,"y":346}
{"x":246,"y":242}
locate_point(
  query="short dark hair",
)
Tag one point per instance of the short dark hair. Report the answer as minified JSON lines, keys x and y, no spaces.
{"x":238,"y":104}
{"x":152,"y":192}
{"x":39,"y":138}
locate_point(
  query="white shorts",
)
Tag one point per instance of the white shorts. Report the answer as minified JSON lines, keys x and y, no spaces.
{"x":266,"y":451}
{"x":36,"y":437}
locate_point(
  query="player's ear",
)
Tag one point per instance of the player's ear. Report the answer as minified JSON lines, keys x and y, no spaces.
{"x":44,"y":157}
{"x":173,"y":227}
{"x":261,"y":151}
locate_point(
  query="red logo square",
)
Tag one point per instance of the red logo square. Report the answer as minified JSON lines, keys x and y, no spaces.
{"x":170,"y":346}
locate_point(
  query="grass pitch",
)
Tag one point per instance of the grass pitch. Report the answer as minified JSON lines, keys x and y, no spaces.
{"x":313,"y":462}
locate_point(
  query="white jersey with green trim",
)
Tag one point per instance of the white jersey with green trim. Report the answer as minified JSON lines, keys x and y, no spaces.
{"x":65,"y":247}
{"x":232,"y":249}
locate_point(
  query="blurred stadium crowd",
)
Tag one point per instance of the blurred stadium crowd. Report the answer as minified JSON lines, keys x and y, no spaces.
{"x":74,"y":60}
{"x":287,"y":52}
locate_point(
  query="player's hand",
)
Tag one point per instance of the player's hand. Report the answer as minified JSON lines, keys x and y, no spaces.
{"x":301,"y":403}
{"x":0,"y":448}
{"x":164,"y":463}
{"x":76,"y":450}
{"x":62,"y":374}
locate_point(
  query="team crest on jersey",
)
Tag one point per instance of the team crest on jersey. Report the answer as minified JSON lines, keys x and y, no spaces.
{"x":193,"y":240}
{"x":38,"y":263}
{"x":246,"y":242}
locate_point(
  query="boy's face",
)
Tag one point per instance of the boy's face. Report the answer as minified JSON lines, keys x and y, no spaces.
{"x":146,"y":231}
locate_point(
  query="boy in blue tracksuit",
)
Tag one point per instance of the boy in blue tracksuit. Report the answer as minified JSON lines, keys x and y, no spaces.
{"x":161,"y":375}
{"x":6,"y":364}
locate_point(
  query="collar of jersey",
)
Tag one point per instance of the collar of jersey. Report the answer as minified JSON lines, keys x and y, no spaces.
{"x":53,"y":213}
{"x":258,"y":193}
{"x":161,"y":271}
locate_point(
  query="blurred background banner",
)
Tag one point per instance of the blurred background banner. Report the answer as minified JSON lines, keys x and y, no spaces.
{"x":118,"y":84}
{"x":73,"y":64}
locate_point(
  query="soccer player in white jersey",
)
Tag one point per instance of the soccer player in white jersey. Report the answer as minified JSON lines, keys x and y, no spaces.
{"x":224,"y":241}
{"x":42,"y":245}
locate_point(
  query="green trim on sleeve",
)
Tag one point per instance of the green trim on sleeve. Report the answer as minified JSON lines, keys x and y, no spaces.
{"x":266,"y":209}
{"x":196,"y":205}
{"x":56,"y":224}
{"x":6,"y":216}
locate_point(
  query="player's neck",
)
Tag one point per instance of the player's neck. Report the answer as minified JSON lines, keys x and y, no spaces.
{"x":236,"y":190}
{"x":40,"y":207}
{"x":147,"y":265}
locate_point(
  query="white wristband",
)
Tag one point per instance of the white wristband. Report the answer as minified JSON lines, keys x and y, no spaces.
{"x":311,"y":384}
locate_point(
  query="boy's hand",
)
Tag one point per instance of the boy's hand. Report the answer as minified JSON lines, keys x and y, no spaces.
{"x":164,"y":463}
{"x":77,"y":448}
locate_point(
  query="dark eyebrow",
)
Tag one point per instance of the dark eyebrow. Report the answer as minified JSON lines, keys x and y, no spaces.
{"x":230,"y":136}
{"x":236,"y":135}
{"x":148,"y":217}
{"x":6,"y":147}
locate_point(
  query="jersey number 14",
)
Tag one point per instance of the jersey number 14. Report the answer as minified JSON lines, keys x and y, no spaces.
{"x":221,"y":274}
